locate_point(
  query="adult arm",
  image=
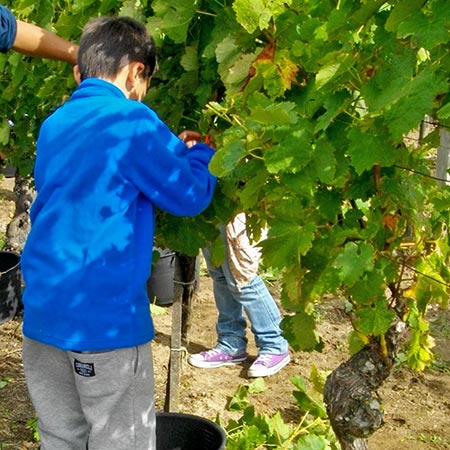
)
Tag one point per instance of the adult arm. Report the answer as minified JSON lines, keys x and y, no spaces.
{"x":33,"y":40}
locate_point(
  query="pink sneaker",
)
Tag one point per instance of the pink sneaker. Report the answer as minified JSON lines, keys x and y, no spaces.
{"x":268,"y":364}
{"x":215,"y":358}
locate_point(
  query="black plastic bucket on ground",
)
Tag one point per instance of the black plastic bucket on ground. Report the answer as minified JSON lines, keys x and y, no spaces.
{"x":177,"y":431}
{"x":10,"y":285}
{"x":160,"y":285}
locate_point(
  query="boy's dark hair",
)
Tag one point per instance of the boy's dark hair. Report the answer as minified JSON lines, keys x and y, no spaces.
{"x":110,"y":43}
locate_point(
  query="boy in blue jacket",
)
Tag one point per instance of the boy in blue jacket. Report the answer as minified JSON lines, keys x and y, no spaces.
{"x":104,"y":162}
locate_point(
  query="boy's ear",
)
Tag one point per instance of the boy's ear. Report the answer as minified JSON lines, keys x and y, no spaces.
{"x":76,"y":74}
{"x":136,"y":69}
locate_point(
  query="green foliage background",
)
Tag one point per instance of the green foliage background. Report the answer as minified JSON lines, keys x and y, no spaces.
{"x":311,"y":106}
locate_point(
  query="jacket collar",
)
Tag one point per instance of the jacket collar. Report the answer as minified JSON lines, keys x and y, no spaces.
{"x":97,"y":87}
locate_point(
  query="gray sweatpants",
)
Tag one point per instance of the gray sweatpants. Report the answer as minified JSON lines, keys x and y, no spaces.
{"x":100,"y":401}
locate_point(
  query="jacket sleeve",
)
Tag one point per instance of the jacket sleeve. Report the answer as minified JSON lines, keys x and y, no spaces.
{"x":176,"y":179}
{"x":8,"y":29}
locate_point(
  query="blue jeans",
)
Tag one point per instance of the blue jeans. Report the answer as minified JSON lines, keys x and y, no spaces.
{"x":257,"y":302}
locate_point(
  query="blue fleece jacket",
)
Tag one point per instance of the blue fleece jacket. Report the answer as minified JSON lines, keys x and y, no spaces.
{"x":103,"y":164}
{"x":8,"y":29}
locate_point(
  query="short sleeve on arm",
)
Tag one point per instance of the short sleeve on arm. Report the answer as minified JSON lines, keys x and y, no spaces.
{"x":8,"y":28}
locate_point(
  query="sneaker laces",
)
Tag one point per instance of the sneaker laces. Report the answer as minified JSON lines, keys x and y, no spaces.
{"x":264,"y":359}
{"x":211,"y":352}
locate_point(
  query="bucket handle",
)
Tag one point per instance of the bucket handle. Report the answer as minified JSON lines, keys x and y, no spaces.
{"x":10,"y":269}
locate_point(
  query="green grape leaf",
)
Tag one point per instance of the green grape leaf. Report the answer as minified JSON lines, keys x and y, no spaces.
{"x":293,"y":151}
{"x":287,"y":241}
{"x":281,"y":429}
{"x":250,"y":15}
{"x":4,"y":382}
{"x":236,"y":73}
{"x":287,"y":70}
{"x":428,"y":30}
{"x":401,"y":11}
{"x":444,"y":111}
{"x":318,"y":378}
{"x":281,"y":113}
{"x":189,"y":60}
{"x":329,"y":204}
{"x":258,"y":13}
{"x":250,"y":438}
{"x":301,"y":333}
{"x":415,"y":100}
{"x":385,"y":86}
{"x":272,"y":80}
{"x":234,"y":65}
{"x":5,"y":131}
{"x":308,"y":400}
{"x":338,"y":64}
{"x":334,"y":104}
{"x":257,"y":386}
{"x":172,"y":18}
{"x":218,"y":252}
{"x":312,"y":442}
{"x":324,"y":161}
{"x":355,"y":342}
{"x":375,"y":320}
{"x":131,"y":8}
{"x":419,"y":349}
{"x":252,"y":190}
{"x":240,"y":400}
{"x":353,"y":261}
{"x":368,"y":288}
{"x":227,"y":51}
{"x":227,"y":158}
{"x":367,"y":149}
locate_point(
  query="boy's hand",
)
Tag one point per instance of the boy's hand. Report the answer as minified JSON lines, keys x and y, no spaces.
{"x":190,"y":138}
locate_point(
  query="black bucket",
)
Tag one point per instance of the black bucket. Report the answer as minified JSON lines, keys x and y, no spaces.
{"x":160,"y":285}
{"x":10,"y":285}
{"x":176,"y":431}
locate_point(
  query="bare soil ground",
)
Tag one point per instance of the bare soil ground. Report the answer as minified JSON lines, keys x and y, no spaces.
{"x":417,"y":405}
